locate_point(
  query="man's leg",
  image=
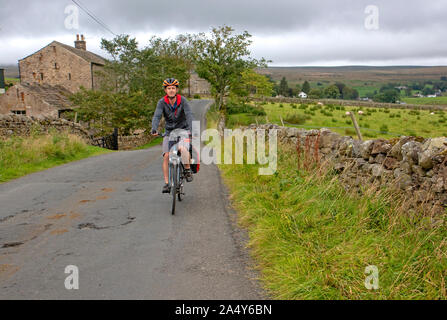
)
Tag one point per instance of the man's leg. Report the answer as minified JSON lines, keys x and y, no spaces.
{"x":186,"y":159}
{"x":166,"y":166}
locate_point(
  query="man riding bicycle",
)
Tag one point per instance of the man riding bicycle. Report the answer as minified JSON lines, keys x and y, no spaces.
{"x":178,"y":115}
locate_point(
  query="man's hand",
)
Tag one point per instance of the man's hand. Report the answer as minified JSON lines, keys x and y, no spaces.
{"x":154,"y":132}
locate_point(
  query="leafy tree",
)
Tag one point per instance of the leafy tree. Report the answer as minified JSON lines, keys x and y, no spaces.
{"x":130,"y":84}
{"x":389,"y":96}
{"x":340,"y":87}
{"x":284,"y":87}
{"x":251,"y":84}
{"x":315,"y":94}
{"x":349,"y":93}
{"x":427,"y":90}
{"x":306,"y":87}
{"x":332,"y":92}
{"x":221,"y":59}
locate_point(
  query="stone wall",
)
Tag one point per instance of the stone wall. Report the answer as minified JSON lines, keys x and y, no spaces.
{"x":417,"y":166}
{"x":133,"y":141}
{"x":20,"y":125}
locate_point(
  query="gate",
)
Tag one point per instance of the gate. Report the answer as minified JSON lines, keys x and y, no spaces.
{"x":108,"y":142}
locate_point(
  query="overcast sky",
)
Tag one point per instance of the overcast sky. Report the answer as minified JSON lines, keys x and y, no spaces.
{"x":289,"y":32}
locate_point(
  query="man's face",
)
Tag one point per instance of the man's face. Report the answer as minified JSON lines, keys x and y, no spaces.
{"x":171,"y":91}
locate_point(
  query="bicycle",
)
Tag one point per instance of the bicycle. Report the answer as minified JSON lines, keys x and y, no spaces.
{"x":176,"y":173}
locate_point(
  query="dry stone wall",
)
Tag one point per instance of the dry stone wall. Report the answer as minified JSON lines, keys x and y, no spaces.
{"x":416,"y":165}
{"x":20,"y":125}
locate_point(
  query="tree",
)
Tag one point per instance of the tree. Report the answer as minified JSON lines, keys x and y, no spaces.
{"x":341,"y":86}
{"x":251,"y":84}
{"x":427,"y":90}
{"x":284,"y":87}
{"x":315,"y":94}
{"x":131,"y":83}
{"x":221,"y":59}
{"x":389,"y":96}
{"x":349,"y":93}
{"x":332,"y":92}
{"x":306,"y":87}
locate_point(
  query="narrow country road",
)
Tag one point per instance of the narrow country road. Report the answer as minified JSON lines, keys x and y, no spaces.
{"x":106,"y":215}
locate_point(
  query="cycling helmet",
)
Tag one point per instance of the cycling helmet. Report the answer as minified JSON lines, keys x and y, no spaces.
{"x":170,"y":82}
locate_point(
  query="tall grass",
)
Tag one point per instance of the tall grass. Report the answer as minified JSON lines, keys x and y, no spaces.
{"x":22,"y":155}
{"x":312,"y":238}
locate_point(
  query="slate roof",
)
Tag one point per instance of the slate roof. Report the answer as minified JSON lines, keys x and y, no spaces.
{"x":86,"y":55}
{"x":56,"y":96}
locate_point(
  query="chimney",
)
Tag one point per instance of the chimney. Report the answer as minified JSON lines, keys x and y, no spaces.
{"x":2,"y":81}
{"x":80,"y":44}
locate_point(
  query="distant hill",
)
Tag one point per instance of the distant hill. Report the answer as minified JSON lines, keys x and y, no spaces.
{"x":11,"y":71}
{"x":356,"y":73}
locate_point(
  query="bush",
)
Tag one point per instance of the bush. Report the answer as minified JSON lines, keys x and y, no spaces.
{"x":384,"y":128}
{"x":196,"y":96}
{"x":297,"y":118}
{"x":257,"y":111}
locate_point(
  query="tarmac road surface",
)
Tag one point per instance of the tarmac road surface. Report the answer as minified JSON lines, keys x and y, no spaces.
{"x":106,"y":215}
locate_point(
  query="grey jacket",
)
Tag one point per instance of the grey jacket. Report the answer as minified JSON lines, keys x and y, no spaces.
{"x":181,"y":119}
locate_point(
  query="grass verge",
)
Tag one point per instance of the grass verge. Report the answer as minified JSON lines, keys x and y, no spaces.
{"x":313,"y":239}
{"x":23,"y":155}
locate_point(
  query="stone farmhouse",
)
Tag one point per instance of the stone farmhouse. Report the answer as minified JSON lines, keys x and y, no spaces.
{"x":197,"y":85}
{"x":49,"y":76}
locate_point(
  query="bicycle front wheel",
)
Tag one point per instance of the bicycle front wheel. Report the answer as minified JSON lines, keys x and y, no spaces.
{"x":174,"y":184}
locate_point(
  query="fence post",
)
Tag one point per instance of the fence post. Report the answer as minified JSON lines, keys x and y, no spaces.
{"x":356,"y":126}
{"x":115,"y":139}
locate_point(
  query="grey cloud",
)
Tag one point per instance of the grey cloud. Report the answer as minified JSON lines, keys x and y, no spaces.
{"x":279,"y":18}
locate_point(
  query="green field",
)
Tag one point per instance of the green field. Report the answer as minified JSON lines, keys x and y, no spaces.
{"x":12,"y":80}
{"x":374,"y":123}
{"x":426,"y":101}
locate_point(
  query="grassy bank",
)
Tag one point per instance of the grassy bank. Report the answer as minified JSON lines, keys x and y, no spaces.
{"x":311,"y":239}
{"x":20,"y":156}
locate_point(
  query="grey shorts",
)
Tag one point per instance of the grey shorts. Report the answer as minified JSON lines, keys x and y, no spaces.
{"x":168,"y":144}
